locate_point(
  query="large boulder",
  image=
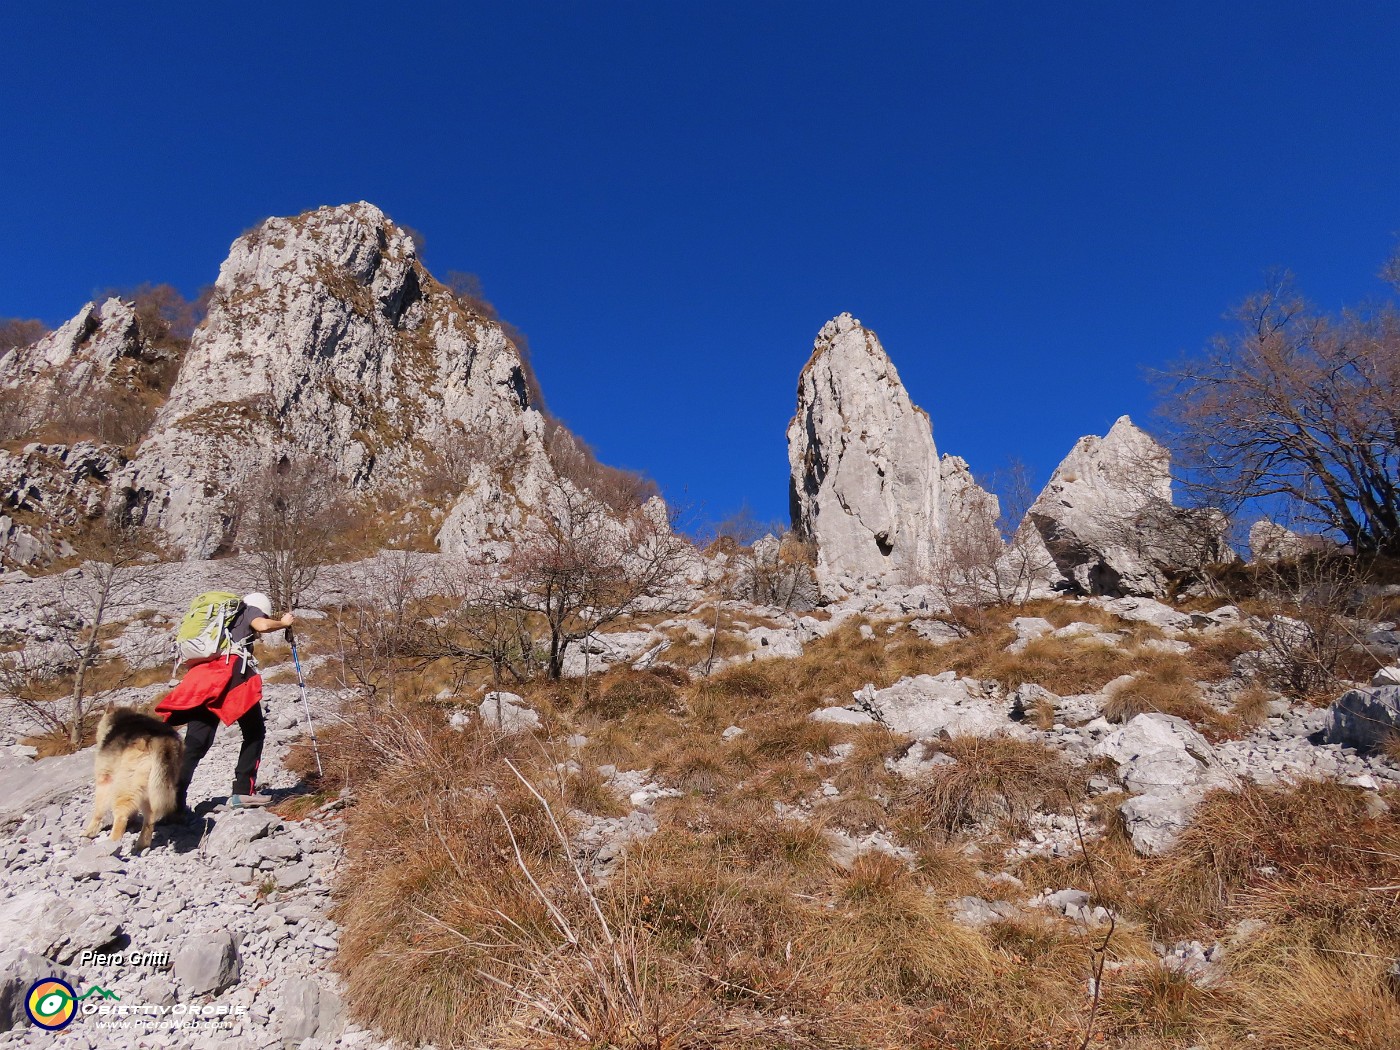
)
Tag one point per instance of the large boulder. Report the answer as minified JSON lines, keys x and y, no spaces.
{"x":1364,"y":718}
{"x":865,"y":476}
{"x":1170,"y":767}
{"x":928,"y":706}
{"x":207,"y":963}
{"x":1269,"y":541}
{"x":1107,"y":521}
{"x":19,"y":971}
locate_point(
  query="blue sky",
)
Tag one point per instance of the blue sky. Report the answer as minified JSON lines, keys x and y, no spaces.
{"x":1030,"y":203}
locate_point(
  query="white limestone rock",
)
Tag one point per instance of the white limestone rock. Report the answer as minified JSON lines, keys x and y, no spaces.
{"x":81,"y":351}
{"x":57,"y":489}
{"x":328,"y":342}
{"x":1364,"y":718}
{"x":1149,"y":611}
{"x":1269,"y":541}
{"x":1171,"y":767}
{"x":20,"y":970}
{"x":207,"y":963}
{"x":1106,"y":517}
{"x":508,"y":713}
{"x":865,"y":477}
{"x":926,"y":706}
{"x":1154,"y":750}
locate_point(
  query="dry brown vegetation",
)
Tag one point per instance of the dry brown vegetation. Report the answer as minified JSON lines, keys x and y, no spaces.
{"x":467,"y":924}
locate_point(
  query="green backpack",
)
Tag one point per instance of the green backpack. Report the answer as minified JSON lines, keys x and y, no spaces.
{"x":204,"y":632}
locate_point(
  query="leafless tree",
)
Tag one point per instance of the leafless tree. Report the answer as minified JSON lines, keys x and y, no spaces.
{"x":18,"y":331}
{"x":54,"y":681}
{"x":1298,"y":406}
{"x":780,"y":570}
{"x":991,"y":553}
{"x":292,"y":514}
{"x":580,"y":565}
{"x":481,"y":624}
{"x":379,"y":634}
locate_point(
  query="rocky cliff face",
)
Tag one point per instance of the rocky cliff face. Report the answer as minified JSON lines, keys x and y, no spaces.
{"x":88,"y":390}
{"x":327,"y":342}
{"x":865,"y":477}
{"x":1107,"y":520}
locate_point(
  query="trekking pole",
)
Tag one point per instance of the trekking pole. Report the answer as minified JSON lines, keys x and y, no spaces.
{"x":305,"y":703}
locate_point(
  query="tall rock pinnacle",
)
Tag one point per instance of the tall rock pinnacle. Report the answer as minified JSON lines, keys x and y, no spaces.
{"x":865,"y":474}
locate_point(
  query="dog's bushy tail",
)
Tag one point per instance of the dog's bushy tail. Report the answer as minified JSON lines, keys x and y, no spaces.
{"x":163,"y":787}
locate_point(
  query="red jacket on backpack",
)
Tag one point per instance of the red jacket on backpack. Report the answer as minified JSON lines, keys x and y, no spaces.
{"x":207,"y":685}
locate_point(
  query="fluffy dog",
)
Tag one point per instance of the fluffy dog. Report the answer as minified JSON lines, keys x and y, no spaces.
{"x":138,"y":769}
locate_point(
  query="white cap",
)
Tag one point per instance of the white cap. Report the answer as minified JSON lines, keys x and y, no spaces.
{"x":259,"y":601}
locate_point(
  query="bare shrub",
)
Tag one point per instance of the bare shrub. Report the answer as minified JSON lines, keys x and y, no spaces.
{"x":780,"y":571}
{"x":379,"y":634}
{"x":448,"y":465}
{"x":16,"y":414}
{"x":60,"y":683}
{"x":580,"y":567}
{"x":1311,"y":636}
{"x":480,"y":624}
{"x":990,"y":553}
{"x":17,"y":331}
{"x":291,"y":516}
{"x":167,"y":318}
{"x":620,"y":490}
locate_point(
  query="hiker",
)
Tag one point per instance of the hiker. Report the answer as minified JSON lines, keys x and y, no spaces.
{"x":226,"y":688}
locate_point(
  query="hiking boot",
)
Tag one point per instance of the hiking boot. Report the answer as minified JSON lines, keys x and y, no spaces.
{"x":248,"y":801}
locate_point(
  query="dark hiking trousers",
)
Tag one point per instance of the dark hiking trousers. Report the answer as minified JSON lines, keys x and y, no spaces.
{"x":200,"y":725}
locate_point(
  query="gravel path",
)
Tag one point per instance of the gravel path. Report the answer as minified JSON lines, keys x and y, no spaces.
{"x":227,"y":916}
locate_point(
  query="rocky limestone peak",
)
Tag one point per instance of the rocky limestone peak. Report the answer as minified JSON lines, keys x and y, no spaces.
{"x":84,"y":348}
{"x":1107,"y":520}
{"x":326,"y":341}
{"x":1124,"y":467}
{"x":864,"y":470}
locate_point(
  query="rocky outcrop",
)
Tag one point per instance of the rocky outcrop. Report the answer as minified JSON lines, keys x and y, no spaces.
{"x":865,"y":476}
{"x":1364,"y":718}
{"x":85,"y":348}
{"x":1107,"y":521}
{"x":1269,"y":541}
{"x":327,"y":342}
{"x":968,"y":514}
{"x":48,"y":494}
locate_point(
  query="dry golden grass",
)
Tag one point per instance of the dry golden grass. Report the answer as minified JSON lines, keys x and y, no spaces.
{"x":1211,"y":655}
{"x":731,"y":927}
{"x":692,"y":650}
{"x":1171,"y":690}
{"x":1150,"y":1002}
{"x":992,"y":778}
{"x":1251,"y":706}
{"x":1292,"y":996}
{"x":1390,"y":747}
{"x":1307,"y":856}
{"x":625,"y":690}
